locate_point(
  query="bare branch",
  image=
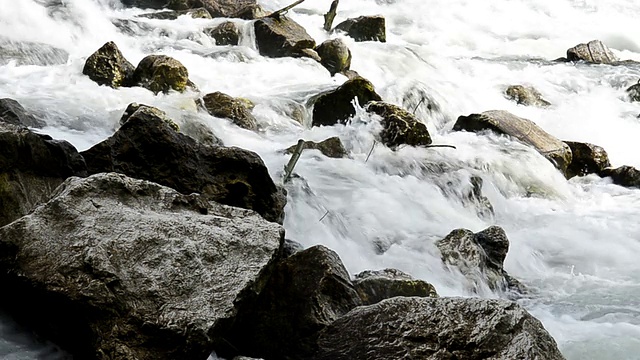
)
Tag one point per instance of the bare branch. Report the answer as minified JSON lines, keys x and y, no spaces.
{"x":277,"y":13}
{"x":328,"y":17}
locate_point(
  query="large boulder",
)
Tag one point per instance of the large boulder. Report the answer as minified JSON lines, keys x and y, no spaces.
{"x":480,"y":257}
{"x":107,"y":66}
{"x":30,"y":53}
{"x":31,"y":167}
{"x":306,"y":292}
{"x":11,"y":112}
{"x":331,"y":147}
{"x":334,"y":55}
{"x":161,"y":73}
{"x":375,"y":286}
{"x":226,"y":33}
{"x":634,"y":92}
{"x":586,"y":159}
{"x":526,"y":95}
{"x":227,"y":107}
{"x":128,"y":269}
{"x":626,"y":176}
{"x":281,"y":37}
{"x":436,"y":329}
{"x":146,"y":147}
{"x":399,"y":126}
{"x":335,"y":107}
{"x":593,"y":52}
{"x":503,"y":122}
{"x":365,"y":28}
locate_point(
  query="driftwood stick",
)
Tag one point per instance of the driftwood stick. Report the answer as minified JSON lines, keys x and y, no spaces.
{"x":328,"y":17}
{"x":288,"y":169}
{"x":277,"y":13}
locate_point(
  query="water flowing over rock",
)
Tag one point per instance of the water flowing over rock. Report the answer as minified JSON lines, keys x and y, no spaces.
{"x":11,"y":112}
{"x":593,"y":52}
{"x":199,"y":13}
{"x":365,"y":28}
{"x":226,"y":33}
{"x":281,"y":37}
{"x":107,"y":66}
{"x":146,"y":147}
{"x":334,"y":55}
{"x":400,"y":127}
{"x":128,"y":269}
{"x":526,"y":95}
{"x":227,"y":107}
{"x":161,"y":73}
{"x":586,"y":159}
{"x":335,"y":107}
{"x":31,"y":53}
{"x":626,"y":176}
{"x":331,"y":147}
{"x":634,"y":92}
{"x":435,"y":329}
{"x":525,"y":130}
{"x":375,"y":286}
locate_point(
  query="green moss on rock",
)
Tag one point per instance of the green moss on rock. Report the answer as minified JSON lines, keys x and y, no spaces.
{"x":107,"y":66}
{"x":161,"y":73}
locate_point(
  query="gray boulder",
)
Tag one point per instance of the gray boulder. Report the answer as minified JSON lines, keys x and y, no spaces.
{"x":375,"y":286}
{"x":331,"y":147}
{"x":226,"y":33}
{"x":281,"y":37}
{"x":227,"y":107}
{"x":634,"y":92}
{"x":526,"y":95}
{"x":586,"y":159}
{"x":30,"y":53}
{"x":128,"y":269}
{"x":626,"y":176}
{"x":335,"y":107}
{"x":365,"y":28}
{"x":503,"y":122}
{"x":400,"y":127}
{"x":436,"y":329}
{"x":592,"y":52}
{"x":107,"y":66}
{"x":334,"y":55}
{"x":161,"y":73}
{"x":11,"y":112}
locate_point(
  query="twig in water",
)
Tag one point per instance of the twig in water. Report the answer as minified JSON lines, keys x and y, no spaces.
{"x":441,"y":146}
{"x":277,"y":13}
{"x":328,"y":17}
{"x":324,"y":216}
{"x":288,"y":169}
{"x":417,"y":106}
{"x":371,"y":151}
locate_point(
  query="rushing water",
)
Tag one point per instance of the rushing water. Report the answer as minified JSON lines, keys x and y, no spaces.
{"x":575,"y":243}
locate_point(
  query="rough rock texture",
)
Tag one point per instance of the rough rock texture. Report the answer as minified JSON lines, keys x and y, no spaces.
{"x":437,"y":329}
{"x":334,"y":55}
{"x":146,"y":112}
{"x":30,"y":53}
{"x":281,"y":37}
{"x":161,"y":73}
{"x":146,"y":147}
{"x":11,"y":112}
{"x":201,"y":132}
{"x":503,"y":122}
{"x":335,"y":107}
{"x":479,"y":257}
{"x":306,"y":292}
{"x":291,"y":247}
{"x":107,"y":66}
{"x":226,"y":33}
{"x":634,"y":92}
{"x":593,"y":52}
{"x":31,"y":167}
{"x":526,"y":95}
{"x":227,"y":107}
{"x":331,"y":147}
{"x":627,"y":176}
{"x":365,"y":28}
{"x":199,"y":13}
{"x":586,"y":159}
{"x":128,"y":269}
{"x":375,"y":286}
{"x":399,"y":126}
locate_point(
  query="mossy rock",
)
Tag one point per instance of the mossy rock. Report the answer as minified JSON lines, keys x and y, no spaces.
{"x":526,"y":95}
{"x":331,"y":147}
{"x":365,"y":28}
{"x":281,"y":37}
{"x":226,"y":33}
{"x":108,"y":66}
{"x":334,"y":55}
{"x":161,"y":73}
{"x":235,"y":109}
{"x":335,"y":107}
{"x":145,"y":112}
{"x":400,"y":127}
{"x":375,"y":286}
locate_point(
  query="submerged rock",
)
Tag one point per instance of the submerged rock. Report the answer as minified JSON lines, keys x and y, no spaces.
{"x":399,"y":126}
{"x":281,"y":37}
{"x":586,"y":159}
{"x":107,"y":66}
{"x":626,"y":176}
{"x":436,"y":329}
{"x":144,"y":112}
{"x":11,"y":112}
{"x":31,"y":53}
{"x":226,"y":33}
{"x":525,"y":130}
{"x":365,"y":28}
{"x":483,"y":206}
{"x":128,"y":269}
{"x":198,"y":13}
{"x":331,"y":147}
{"x":201,"y":132}
{"x":227,"y":107}
{"x":593,"y":52}
{"x":161,"y":73}
{"x":375,"y":286}
{"x":334,"y":55}
{"x":634,"y":92}
{"x":335,"y":107}
{"x":526,"y":95}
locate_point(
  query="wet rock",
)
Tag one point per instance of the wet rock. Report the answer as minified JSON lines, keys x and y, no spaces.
{"x":161,"y":73}
{"x":334,"y":55}
{"x":11,"y":112}
{"x":311,"y":54}
{"x":335,"y":107}
{"x":480,"y":257}
{"x":199,"y":13}
{"x":146,"y":147}
{"x":526,"y":95}
{"x":483,"y":206}
{"x":281,"y":37}
{"x":30,"y":53}
{"x":586,"y":159}
{"x":244,"y":9}
{"x":399,"y":126}
{"x":144,"y":112}
{"x":128,"y":269}
{"x":224,"y":106}
{"x":305,"y":293}
{"x":634,"y":92}
{"x":107,"y":66}
{"x":365,"y":28}
{"x":503,"y":122}
{"x":626,"y":176}
{"x":201,"y":132}
{"x":593,"y":52}
{"x":31,"y":167}
{"x":331,"y":147}
{"x":226,"y":33}
{"x":290,"y":248}
{"x":250,"y":12}
{"x":375,"y":286}
{"x":437,"y":328}
{"x":146,"y":4}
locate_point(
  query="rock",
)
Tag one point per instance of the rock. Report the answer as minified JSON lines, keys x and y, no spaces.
{"x":593,"y":52}
{"x":483,"y":206}
{"x":436,"y":329}
{"x":334,"y":55}
{"x":331,"y":147}
{"x":146,"y":4}
{"x":375,"y":286}
{"x":626,"y":176}
{"x":335,"y":107}
{"x":290,"y":248}
{"x":161,"y":73}
{"x":245,"y":9}
{"x":147,"y":112}
{"x":250,"y":12}
{"x":399,"y":126}
{"x":281,"y":37}
{"x":128,"y":269}
{"x":30,"y":53}
{"x":503,"y":122}
{"x":227,"y":107}
{"x":198,"y":13}
{"x":586,"y":159}
{"x":634,"y":92}
{"x":305,"y":293}
{"x":11,"y":112}
{"x":480,"y":257}
{"x":31,"y":167}
{"x":226,"y":33}
{"x":146,"y":147}
{"x":526,"y":95}
{"x":201,"y":132}
{"x":311,"y":54}
{"x":365,"y":28}
{"x":107,"y":66}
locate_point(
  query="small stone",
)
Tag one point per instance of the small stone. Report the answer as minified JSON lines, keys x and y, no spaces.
{"x":281,"y":37}
{"x":161,"y":73}
{"x":107,"y":66}
{"x":335,"y":56}
{"x":527,"y":96}
{"x":335,"y":107}
{"x":365,"y":28}
{"x":331,"y":147}
{"x":400,"y":127}
{"x":224,"y":106}
{"x":586,"y":159}
{"x":226,"y":33}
